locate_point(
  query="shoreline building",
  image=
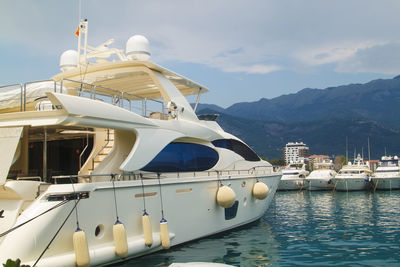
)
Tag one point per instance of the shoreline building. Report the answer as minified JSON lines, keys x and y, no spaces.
{"x":320,"y":162}
{"x":297,"y":152}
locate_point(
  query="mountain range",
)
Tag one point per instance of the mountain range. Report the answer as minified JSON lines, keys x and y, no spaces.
{"x":321,"y":118}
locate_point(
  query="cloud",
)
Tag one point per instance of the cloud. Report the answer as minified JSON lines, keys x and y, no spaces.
{"x":255,"y":36}
{"x":383,"y":58}
{"x":253,"y":69}
{"x":331,"y":53}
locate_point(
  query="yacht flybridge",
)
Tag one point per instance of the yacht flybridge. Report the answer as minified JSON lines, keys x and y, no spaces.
{"x":108,"y":161}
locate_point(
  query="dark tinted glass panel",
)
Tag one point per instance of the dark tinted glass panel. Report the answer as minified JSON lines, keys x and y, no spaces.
{"x":237,"y":147}
{"x":183,"y":157}
{"x":231,"y":212}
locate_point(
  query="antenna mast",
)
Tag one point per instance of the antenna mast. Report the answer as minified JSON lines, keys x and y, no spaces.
{"x":369,"y":151}
{"x":83,"y":29}
{"x":347,"y":151}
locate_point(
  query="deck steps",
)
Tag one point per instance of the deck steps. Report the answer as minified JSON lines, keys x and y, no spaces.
{"x":105,"y":150}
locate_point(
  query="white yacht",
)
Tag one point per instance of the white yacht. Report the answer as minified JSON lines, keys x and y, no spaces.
{"x":387,"y":175}
{"x":353,"y":177}
{"x":321,"y":177}
{"x":108,"y":161}
{"x":293,"y":178}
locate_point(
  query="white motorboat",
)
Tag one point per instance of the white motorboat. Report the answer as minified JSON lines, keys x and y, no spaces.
{"x":387,"y":175}
{"x":320,"y":179}
{"x":353,"y":177}
{"x":108,"y":161}
{"x":293,"y":178}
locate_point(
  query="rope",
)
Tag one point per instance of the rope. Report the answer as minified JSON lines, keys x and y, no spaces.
{"x":144,"y":199}
{"x":161,"y":199}
{"x":59,"y":229}
{"x":219,"y":180}
{"x":115,"y":196}
{"x":377,"y":182}
{"x":76,"y":210}
{"x":334,"y":188}
{"x":18,"y":226}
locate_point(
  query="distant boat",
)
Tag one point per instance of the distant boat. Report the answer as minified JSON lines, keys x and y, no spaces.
{"x":353,"y":177}
{"x":321,"y":177}
{"x":292,"y":178}
{"x":387,"y":175}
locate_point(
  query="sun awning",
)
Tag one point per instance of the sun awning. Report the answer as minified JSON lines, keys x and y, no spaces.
{"x":133,"y":77}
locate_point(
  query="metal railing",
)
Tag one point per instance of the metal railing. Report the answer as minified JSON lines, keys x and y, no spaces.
{"x":135,"y":103}
{"x":256,"y":171}
{"x":23,"y":93}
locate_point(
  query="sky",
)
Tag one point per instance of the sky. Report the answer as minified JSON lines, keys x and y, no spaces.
{"x":241,"y":50}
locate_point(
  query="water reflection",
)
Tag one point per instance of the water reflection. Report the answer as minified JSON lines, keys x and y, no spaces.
{"x":252,"y":245}
{"x":304,"y":229}
{"x":356,"y":228}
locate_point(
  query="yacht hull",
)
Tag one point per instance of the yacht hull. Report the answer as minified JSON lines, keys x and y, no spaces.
{"x":387,"y":183}
{"x":291,"y":184}
{"x":351,"y":184}
{"x":318,"y":184}
{"x":188,"y":204}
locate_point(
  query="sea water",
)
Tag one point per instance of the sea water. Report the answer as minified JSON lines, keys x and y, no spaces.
{"x":304,"y":229}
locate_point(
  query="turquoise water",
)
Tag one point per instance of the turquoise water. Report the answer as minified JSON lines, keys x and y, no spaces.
{"x":304,"y":229}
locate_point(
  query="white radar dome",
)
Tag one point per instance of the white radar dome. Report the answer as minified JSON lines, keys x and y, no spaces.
{"x":137,"y":48}
{"x":68,"y":60}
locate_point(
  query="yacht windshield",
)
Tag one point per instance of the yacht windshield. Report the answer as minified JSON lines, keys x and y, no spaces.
{"x":237,"y":147}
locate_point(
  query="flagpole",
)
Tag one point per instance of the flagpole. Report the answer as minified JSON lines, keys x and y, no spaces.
{"x":79,"y":43}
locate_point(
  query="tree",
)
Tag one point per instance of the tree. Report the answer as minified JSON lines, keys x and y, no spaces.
{"x":277,"y":162}
{"x":16,"y":263}
{"x":339,"y":161}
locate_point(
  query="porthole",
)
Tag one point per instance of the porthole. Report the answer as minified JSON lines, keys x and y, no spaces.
{"x":99,"y":231}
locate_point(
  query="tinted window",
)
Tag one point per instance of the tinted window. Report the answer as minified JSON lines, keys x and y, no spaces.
{"x":183,"y":157}
{"x":237,"y":147}
{"x":231,"y":212}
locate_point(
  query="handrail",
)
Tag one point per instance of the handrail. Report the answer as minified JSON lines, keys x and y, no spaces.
{"x":33,"y":178}
{"x":219,"y":174}
{"x":102,"y":148}
{"x":23,"y":90}
{"x":16,"y":84}
{"x":83,"y":151}
{"x":135,"y":175}
{"x":117,"y":96}
{"x":27,"y":83}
